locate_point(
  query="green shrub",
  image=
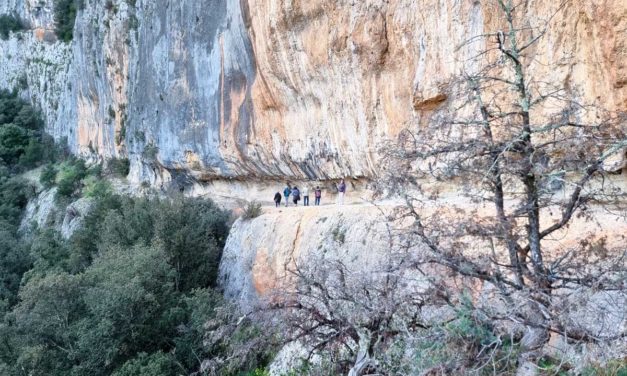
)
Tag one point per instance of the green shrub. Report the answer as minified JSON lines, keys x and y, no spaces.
{"x":22,"y":142}
{"x":193,"y":232}
{"x":9,"y":23}
{"x":70,"y":176}
{"x":150,"y":152}
{"x":252,"y":210}
{"x":129,"y":294}
{"x":14,"y":195}
{"x":611,"y":368}
{"x":64,"y":18}
{"x":13,"y":142}
{"x":14,"y":262}
{"x":48,"y":176}
{"x":95,"y":187}
{"x":33,"y":154}
{"x":150,"y":365}
{"x":118,"y":166}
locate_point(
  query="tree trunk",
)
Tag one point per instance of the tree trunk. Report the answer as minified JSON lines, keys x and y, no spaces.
{"x":363,"y":359}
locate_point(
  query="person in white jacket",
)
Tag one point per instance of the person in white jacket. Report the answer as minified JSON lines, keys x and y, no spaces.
{"x":305,"y":192}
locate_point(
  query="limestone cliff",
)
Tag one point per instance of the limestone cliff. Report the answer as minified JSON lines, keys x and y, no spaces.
{"x":260,"y":252}
{"x":278,"y":88}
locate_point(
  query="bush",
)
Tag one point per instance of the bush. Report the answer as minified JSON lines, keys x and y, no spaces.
{"x":70,"y":176}
{"x":64,"y":18}
{"x":13,"y":143}
{"x":8,"y":24}
{"x":95,"y":187}
{"x":33,"y":154}
{"x":14,"y":262}
{"x":48,"y":176}
{"x":192,"y":231}
{"x":150,"y":365}
{"x":22,"y":142}
{"x":252,"y":210}
{"x":14,"y":195}
{"x":119,"y":166}
{"x":150,"y":152}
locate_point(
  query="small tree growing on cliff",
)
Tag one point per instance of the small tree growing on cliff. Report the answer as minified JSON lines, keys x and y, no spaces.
{"x":529,"y":159}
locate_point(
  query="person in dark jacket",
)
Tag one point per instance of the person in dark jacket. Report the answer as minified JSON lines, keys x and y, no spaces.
{"x":296,"y":195}
{"x":317,"y":196}
{"x":277,"y":199}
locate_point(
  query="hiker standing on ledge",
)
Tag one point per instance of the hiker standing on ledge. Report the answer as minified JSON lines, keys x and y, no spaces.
{"x":296,"y":195}
{"x":277,"y":199}
{"x":317,"y":195}
{"x":305,"y":193}
{"x":341,"y":189}
{"x":286,"y":193}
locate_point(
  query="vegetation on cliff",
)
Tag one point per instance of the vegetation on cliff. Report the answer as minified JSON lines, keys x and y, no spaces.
{"x":65,"y":16}
{"x":9,"y":23}
{"x":131,"y":292}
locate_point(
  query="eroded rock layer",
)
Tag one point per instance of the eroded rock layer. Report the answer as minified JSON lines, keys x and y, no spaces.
{"x":280,"y":88}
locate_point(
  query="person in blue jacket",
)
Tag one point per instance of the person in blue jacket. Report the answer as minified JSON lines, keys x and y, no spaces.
{"x":287,"y":191}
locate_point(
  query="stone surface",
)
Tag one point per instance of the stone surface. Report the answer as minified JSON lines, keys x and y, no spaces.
{"x":43,"y":211}
{"x":260,"y":252}
{"x":274,"y":89}
{"x":74,"y":217}
{"x":40,"y":212}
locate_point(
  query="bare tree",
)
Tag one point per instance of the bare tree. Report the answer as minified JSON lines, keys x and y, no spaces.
{"x":349,"y":315}
{"x":528,"y":159}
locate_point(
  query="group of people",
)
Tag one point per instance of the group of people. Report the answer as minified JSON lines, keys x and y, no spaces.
{"x":295,"y":193}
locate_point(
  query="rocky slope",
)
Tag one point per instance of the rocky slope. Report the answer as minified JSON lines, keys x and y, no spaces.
{"x":269,"y":89}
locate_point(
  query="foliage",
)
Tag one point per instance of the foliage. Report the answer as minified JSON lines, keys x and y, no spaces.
{"x":252,"y":210}
{"x":64,"y":17}
{"x":19,"y":147}
{"x":612,"y":368}
{"x":13,"y":142}
{"x":22,"y":141}
{"x":94,"y":187}
{"x":48,"y":176}
{"x":70,"y":176}
{"x":14,"y":195}
{"x":14,"y":262}
{"x":9,"y":23}
{"x":192,"y":231}
{"x":149,"y":365}
{"x":118,"y":166}
{"x":128,"y":294}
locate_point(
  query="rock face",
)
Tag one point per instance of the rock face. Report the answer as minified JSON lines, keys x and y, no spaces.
{"x":267,"y":89}
{"x":43,"y":211}
{"x":260,"y":253}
